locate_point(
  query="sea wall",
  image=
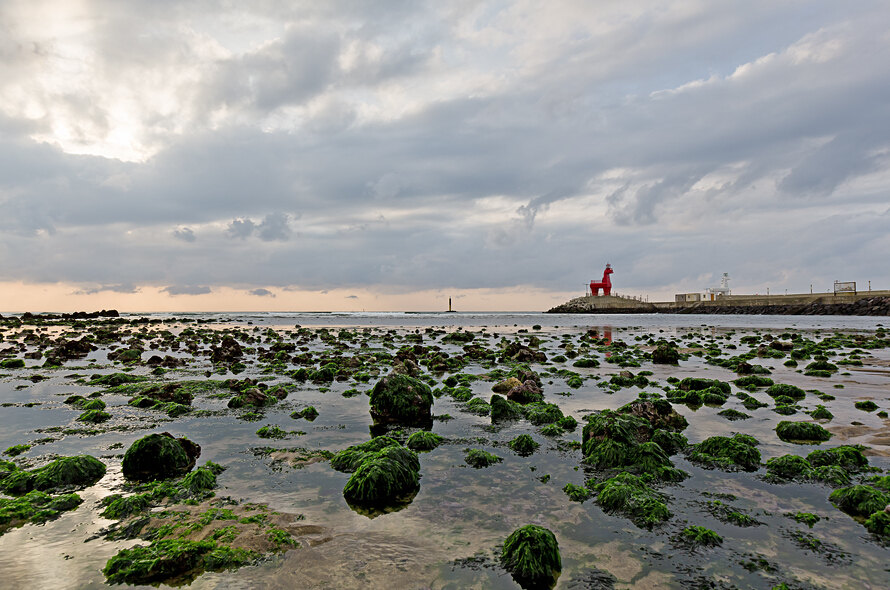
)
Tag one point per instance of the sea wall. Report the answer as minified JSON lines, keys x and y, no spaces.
{"x":869,"y":303}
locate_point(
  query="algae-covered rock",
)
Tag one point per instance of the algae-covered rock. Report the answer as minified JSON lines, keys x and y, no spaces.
{"x":506,"y":385}
{"x":424,"y":440}
{"x":34,"y":507}
{"x":860,"y":500}
{"x":64,"y":472}
{"x":504,"y":409}
{"x":523,"y":445}
{"x":665,"y":354}
{"x":253,"y":397}
{"x":350,"y":458}
{"x":576,"y":493}
{"x":384,"y":478}
{"x":848,"y":457}
{"x":12,"y":364}
{"x":783,"y":389}
{"x":401,"y":399}
{"x":539,"y":413}
{"x":159,"y":456}
{"x":629,"y":494}
{"x":531,"y":555}
{"x":729,"y":453}
{"x":478,"y":458}
{"x":94,"y":416}
{"x":801,"y":432}
{"x":879,"y":524}
{"x":789,"y":467}
{"x":168,"y":559}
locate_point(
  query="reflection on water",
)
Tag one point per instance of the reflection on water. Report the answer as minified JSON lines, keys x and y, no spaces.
{"x":449,"y":535}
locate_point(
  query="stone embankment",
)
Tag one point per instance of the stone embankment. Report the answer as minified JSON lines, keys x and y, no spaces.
{"x":866,"y":306}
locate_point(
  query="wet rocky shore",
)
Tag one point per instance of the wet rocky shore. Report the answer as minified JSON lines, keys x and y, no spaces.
{"x":872,"y":306}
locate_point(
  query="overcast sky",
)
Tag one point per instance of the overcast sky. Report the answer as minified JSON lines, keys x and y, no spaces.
{"x":389,"y":153}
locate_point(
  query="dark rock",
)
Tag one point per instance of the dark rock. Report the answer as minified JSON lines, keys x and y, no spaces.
{"x":401,"y":399}
{"x":159,"y":456}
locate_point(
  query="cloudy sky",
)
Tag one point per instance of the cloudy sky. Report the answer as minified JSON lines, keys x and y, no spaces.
{"x":167,"y":154}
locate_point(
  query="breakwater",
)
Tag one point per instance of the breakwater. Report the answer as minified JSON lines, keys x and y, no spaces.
{"x":873,"y":303}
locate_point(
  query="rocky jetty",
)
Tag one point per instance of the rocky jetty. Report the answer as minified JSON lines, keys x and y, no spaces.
{"x":867,"y":306}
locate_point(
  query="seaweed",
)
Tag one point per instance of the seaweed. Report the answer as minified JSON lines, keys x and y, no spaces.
{"x":801,"y":432}
{"x":733,"y":415}
{"x":350,"y":458}
{"x":503,"y":409}
{"x":401,"y":399}
{"x":156,"y":456}
{"x":168,"y":559}
{"x":792,"y":391}
{"x":531,"y":555}
{"x":478,"y":458}
{"x":523,"y":445}
{"x":699,"y":536}
{"x":34,"y":507}
{"x":384,"y":478}
{"x":879,"y":524}
{"x":540,"y":413}
{"x":789,"y":467}
{"x":79,"y":471}
{"x":806,"y":518}
{"x":424,"y":440}
{"x":849,"y":457}
{"x":576,"y":493}
{"x":866,"y":406}
{"x":630,"y":495}
{"x":727,"y":453}
{"x":860,"y":500}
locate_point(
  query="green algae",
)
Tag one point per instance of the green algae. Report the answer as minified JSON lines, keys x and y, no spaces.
{"x":531,"y":555}
{"x":801,"y":432}
{"x":523,"y":445}
{"x":879,"y":524}
{"x":866,"y":406}
{"x":35,"y":507}
{"x":860,"y":500}
{"x":789,"y":467}
{"x":94,"y":416}
{"x":631,"y":496}
{"x":849,"y":457}
{"x":540,"y":413}
{"x":16,"y":450}
{"x":308,"y":413}
{"x":350,"y":458}
{"x":503,"y":409}
{"x":576,"y":493}
{"x":699,"y":536}
{"x":821,"y":413}
{"x":423,"y":440}
{"x":155,"y":456}
{"x":401,"y":399}
{"x":733,"y":415}
{"x":271,"y":431}
{"x":170,"y":559}
{"x":384,"y":478}
{"x":728,"y":453}
{"x":806,"y":518}
{"x":79,"y":471}
{"x":477,"y":458}
{"x":792,"y":391}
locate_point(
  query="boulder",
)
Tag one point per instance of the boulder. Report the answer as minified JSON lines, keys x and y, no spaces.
{"x":528,"y":392}
{"x":228,"y":351}
{"x":401,"y":399}
{"x":159,"y":456}
{"x":506,"y":385}
{"x":531,"y":555}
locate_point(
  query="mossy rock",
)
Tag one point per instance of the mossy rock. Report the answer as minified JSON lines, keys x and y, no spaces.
{"x":665,"y":354}
{"x":523,"y":445}
{"x":350,"y":458}
{"x":172,"y":559}
{"x":821,"y":413}
{"x":860,"y":500}
{"x":576,"y":493}
{"x":423,"y":440}
{"x":308,"y":413}
{"x":789,"y":467}
{"x":35,"y":507}
{"x":848,"y":457}
{"x":670,"y":442}
{"x":752,"y":382}
{"x":115,"y":379}
{"x":801,"y":432}
{"x":401,"y":399}
{"x":531,"y":555}
{"x":866,"y":406}
{"x":65,"y":472}
{"x":879,"y":524}
{"x":477,"y":458}
{"x":540,"y":413}
{"x":503,"y":409}
{"x":630,"y":495}
{"x":94,"y":416}
{"x":728,"y":453}
{"x":159,"y":456}
{"x":478,"y":406}
{"x":783,"y":389}
{"x":385,"y":478}
{"x":733,"y":415}
{"x":12,"y":364}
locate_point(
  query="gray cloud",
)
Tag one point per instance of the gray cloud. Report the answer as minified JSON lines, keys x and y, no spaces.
{"x":262,"y":292}
{"x":186,"y":290}
{"x":185,"y":234}
{"x":414,"y":146}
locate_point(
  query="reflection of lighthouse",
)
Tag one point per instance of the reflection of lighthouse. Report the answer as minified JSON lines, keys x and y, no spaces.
{"x":605,"y":284}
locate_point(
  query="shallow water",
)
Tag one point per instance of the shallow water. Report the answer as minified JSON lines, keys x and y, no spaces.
{"x":448,"y":536}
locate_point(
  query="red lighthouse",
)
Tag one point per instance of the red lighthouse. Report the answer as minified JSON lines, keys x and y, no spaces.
{"x":605,"y":284}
